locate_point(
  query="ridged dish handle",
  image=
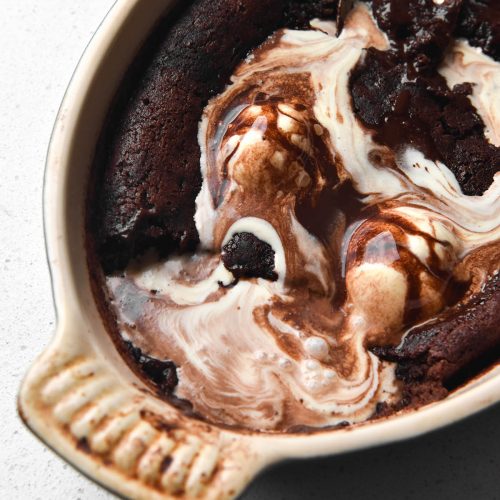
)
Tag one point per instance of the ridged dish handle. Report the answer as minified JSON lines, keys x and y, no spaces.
{"x":125,"y":438}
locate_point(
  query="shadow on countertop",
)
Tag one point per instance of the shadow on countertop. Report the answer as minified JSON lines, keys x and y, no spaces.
{"x":461,"y":461}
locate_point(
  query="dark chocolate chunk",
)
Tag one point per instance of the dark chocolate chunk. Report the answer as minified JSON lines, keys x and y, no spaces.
{"x":248,"y":257}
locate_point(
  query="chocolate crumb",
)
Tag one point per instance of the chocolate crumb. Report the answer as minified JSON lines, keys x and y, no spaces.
{"x":248,"y":257}
{"x":162,"y":373}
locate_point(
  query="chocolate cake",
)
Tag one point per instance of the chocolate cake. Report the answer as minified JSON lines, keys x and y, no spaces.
{"x":152,"y":174}
{"x":295,"y":208}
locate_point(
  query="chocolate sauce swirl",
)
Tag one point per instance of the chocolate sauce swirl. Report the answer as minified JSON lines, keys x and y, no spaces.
{"x":359,"y":239}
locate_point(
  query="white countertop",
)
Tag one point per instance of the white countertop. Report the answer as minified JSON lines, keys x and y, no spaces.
{"x":40,"y":44}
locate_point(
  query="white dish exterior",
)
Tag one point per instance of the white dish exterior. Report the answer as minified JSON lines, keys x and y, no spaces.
{"x":80,"y":397}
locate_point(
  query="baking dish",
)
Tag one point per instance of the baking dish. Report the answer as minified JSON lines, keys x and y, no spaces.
{"x":81,"y":398}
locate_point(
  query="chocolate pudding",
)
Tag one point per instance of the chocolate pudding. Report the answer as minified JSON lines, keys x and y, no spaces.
{"x":293,"y":219}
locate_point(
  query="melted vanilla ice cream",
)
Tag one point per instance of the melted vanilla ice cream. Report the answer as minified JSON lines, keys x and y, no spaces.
{"x":365,"y":240}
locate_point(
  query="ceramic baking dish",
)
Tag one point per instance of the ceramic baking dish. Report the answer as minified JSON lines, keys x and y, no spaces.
{"x":82,"y":400}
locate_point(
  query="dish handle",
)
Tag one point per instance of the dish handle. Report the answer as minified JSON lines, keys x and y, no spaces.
{"x":124,"y":437}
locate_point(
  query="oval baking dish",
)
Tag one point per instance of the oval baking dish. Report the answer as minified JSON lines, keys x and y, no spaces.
{"x":82,"y":399}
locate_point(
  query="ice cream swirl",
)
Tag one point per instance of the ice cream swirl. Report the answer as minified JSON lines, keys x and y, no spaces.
{"x":366,"y":241}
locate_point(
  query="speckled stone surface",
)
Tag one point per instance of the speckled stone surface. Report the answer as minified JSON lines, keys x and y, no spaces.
{"x":40,"y":46}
